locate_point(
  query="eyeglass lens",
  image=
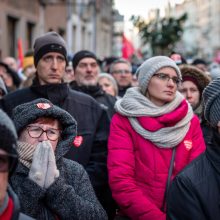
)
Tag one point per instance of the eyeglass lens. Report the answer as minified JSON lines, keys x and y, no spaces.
{"x":36,"y":132}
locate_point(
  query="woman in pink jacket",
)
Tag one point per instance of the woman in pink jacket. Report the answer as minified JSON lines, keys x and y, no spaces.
{"x":153,"y":136}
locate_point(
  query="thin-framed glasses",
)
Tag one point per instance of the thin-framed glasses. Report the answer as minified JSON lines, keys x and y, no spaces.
{"x":36,"y":131}
{"x":6,"y":162}
{"x":165,"y":77}
{"x":121,"y":71}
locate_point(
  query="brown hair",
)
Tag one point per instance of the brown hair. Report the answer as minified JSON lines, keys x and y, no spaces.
{"x":48,"y":120}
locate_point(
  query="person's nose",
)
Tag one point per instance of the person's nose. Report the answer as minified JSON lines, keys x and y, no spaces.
{"x":54,"y":63}
{"x":171,"y":82}
{"x":43,"y":136}
{"x":89,"y":69}
{"x":188,"y":94}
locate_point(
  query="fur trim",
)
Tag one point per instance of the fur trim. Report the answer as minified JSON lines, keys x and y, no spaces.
{"x":201,"y":77}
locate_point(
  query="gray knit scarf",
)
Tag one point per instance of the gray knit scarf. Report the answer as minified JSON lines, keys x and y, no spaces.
{"x":25,"y":152}
{"x":134,"y":104}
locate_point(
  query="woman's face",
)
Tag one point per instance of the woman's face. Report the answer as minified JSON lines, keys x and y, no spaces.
{"x":191,"y":93}
{"x":162,"y":86}
{"x":107,"y":86}
{"x":33,"y":128}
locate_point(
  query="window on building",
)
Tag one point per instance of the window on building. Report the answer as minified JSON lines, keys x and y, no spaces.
{"x":29,"y":35}
{"x":61,"y":32}
{"x":83,"y":37}
{"x":74,"y":38}
{"x":12,"y":44}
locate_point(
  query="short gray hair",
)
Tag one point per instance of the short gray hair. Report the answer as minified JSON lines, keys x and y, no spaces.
{"x":121,"y":60}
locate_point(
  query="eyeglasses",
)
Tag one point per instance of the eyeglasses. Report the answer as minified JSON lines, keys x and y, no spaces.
{"x":166,"y":78}
{"x":35,"y":132}
{"x":121,"y":71}
{"x":6,"y":162}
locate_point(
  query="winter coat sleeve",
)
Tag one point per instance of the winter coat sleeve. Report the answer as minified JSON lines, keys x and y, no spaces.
{"x":74,"y":199}
{"x":121,"y":167}
{"x":182,"y":202}
{"x":97,"y":166}
{"x":29,"y":193}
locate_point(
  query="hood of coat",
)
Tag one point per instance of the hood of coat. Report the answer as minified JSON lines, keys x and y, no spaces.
{"x":29,"y":112}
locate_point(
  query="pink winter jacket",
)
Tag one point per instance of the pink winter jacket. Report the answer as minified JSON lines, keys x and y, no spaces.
{"x":138,"y":169}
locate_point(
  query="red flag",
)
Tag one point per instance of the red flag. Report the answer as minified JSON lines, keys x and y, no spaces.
{"x":20,"y":54}
{"x":127,"y":48}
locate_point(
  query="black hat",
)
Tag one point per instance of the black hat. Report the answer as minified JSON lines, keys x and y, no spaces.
{"x":199,"y":61}
{"x":49,"y":42}
{"x":29,"y":112}
{"x":8,"y":139}
{"x":82,"y":54}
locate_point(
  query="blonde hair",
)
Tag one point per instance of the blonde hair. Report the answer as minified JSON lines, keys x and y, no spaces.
{"x":110,"y":79}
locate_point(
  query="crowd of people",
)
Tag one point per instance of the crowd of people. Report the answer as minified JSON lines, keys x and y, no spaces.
{"x":84,"y":139}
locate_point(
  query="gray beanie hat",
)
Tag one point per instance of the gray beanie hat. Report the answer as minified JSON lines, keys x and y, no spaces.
{"x":211,"y":98}
{"x":29,"y":112}
{"x":151,"y":66}
{"x":49,"y":42}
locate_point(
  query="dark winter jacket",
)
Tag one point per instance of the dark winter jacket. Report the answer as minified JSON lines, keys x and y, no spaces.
{"x":105,"y":100}
{"x":195,"y":192}
{"x":71,"y":195}
{"x":207,"y":131}
{"x":92,"y":126}
{"x":122,"y":90}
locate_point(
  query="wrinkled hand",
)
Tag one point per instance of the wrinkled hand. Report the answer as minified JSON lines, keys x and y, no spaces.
{"x":43,"y":169}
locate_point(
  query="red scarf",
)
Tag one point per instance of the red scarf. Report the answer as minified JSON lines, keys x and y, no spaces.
{"x":166,"y":120}
{"x":7,"y":214}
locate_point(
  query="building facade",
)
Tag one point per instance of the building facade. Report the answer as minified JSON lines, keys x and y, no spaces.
{"x":201,"y":36}
{"x":84,"y":24}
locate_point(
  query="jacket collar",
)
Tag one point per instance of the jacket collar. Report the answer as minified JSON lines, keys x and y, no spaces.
{"x":56,"y":93}
{"x":93,"y":91}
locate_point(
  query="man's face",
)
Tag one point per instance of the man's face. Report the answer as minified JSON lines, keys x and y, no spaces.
{"x":86,"y":72}
{"x":29,"y":134}
{"x":122,"y":74}
{"x":69,"y":74}
{"x":3,"y":176}
{"x":51,"y":68}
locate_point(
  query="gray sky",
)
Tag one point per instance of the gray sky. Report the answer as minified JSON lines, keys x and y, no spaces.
{"x":140,"y":7}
